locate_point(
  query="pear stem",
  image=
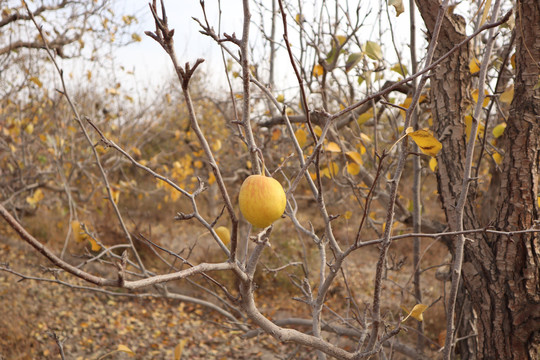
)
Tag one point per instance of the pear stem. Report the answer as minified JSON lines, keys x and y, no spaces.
{"x":262,"y":161}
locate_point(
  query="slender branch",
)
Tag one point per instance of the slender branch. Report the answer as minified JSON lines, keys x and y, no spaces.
{"x":89,"y":141}
{"x":460,"y":207}
{"x":423,"y":71}
{"x":376,"y":307}
{"x":164,"y":36}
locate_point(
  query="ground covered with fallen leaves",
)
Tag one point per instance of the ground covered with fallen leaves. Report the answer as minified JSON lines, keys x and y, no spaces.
{"x":95,"y":326}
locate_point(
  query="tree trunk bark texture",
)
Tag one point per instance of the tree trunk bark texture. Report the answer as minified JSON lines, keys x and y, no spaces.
{"x":501,"y":274}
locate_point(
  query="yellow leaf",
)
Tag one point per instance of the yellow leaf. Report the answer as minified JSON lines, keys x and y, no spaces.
{"x":125,"y":349}
{"x":248,"y":164}
{"x":280,"y":98}
{"x":112,"y":91}
{"x":416,"y":312}
{"x":474,"y":66}
{"x":318,"y":70}
{"x":318,"y":131}
{"x":198,"y":164}
{"x":537,"y":86}
{"x":94,"y":245}
{"x":538,"y":200}
{"x":115,"y":192}
{"x":78,"y":233}
{"x":398,"y":5}
{"x":354,"y":156}
{"x":276,"y":134}
{"x":405,"y":104}
{"x":468,"y":127}
{"x":36,"y":81}
{"x":499,"y":130}
{"x":513,"y":60}
{"x":136,"y":37}
{"x":433,"y":164}
{"x":373,"y":50}
{"x":211,"y":178}
{"x":400,"y":69}
{"x":178,"y":349}
{"x":361,"y":147}
{"x":426,"y":142}
{"x":353,"y":168}
{"x":301,"y":137}
{"x":330,"y":171}
{"x":341,"y":39}
{"x":497,"y":158}
{"x":136,"y":151}
{"x":365,"y":116}
{"x":29,"y":129}
{"x":508,"y":95}
{"x":365,"y":138}
{"x":353,"y":60}
{"x":299,"y":18}
{"x":487,"y":6}
{"x":347,"y":215}
{"x":332,"y":147}
{"x":216,"y":145}
{"x":35,"y":198}
{"x":474,"y":95}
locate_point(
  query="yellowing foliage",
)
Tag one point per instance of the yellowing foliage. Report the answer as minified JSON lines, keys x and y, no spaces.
{"x":330,"y":171}
{"x":365,"y":116}
{"x":474,"y":95}
{"x":499,"y":130}
{"x":416,"y":312}
{"x":498,"y":158}
{"x":508,"y":95}
{"x":468,"y":127}
{"x":35,"y":198}
{"x":332,"y":147}
{"x":474,"y":66}
{"x":425,"y":141}
{"x":354,"y":156}
{"x":353,"y":168}
{"x":433,"y":164}
{"x":318,"y":70}
{"x":301,"y":137}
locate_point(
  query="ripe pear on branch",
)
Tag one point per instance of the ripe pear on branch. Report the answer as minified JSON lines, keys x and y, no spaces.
{"x":262,"y":200}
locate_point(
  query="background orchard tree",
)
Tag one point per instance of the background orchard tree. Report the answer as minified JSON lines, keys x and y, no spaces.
{"x":345,"y":131}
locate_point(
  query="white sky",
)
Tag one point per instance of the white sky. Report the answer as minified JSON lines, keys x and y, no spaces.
{"x":149,"y":60}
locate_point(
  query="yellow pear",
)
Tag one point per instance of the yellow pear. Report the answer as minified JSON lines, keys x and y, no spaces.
{"x":224,"y":234}
{"x":262,"y":200}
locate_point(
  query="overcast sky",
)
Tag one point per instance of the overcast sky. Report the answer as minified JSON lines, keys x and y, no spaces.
{"x":150,"y":61}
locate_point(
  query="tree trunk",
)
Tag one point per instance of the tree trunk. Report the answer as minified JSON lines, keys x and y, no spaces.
{"x":500,"y":274}
{"x":504,"y":281}
{"x":450,"y":86}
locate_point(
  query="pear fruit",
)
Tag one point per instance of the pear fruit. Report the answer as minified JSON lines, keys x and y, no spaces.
{"x":224,"y":234}
{"x":262,"y":200}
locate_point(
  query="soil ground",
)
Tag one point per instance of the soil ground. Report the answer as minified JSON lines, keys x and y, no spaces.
{"x":92,"y":326}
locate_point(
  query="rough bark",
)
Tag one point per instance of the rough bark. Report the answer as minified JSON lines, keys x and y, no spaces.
{"x":450,"y":86}
{"x":500,"y":274}
{"x":505,"y":285}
